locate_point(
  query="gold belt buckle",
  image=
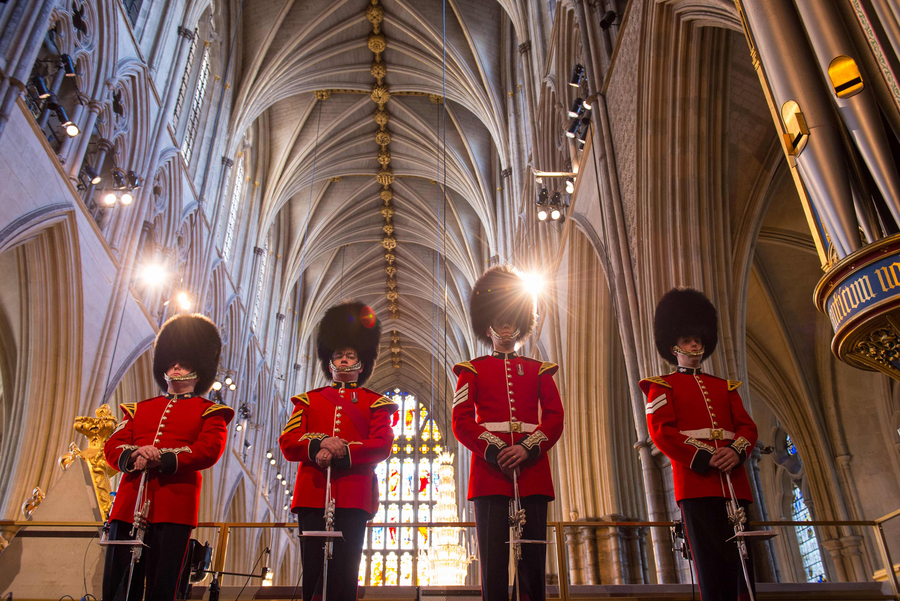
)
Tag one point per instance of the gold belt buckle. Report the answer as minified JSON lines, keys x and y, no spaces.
{"x":717,"y":433}
{"x":515,"y":426}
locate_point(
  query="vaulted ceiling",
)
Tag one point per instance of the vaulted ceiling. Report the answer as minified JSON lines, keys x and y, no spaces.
{"x":308,"y":93}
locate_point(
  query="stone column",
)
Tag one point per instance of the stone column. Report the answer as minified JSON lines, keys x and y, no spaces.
{"x":94,"y":108}
{"x":765,"y":562}
{"x":573,"y":550}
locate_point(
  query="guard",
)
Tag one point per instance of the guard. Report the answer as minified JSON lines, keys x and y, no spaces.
{"x":699,"y":422}
{"x":507,"y":411}
{"x":339,"y":434}
{"x":165,"y":441}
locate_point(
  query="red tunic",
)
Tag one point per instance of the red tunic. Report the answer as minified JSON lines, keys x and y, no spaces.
{"x":365,"y":425}
{"x":189,"y":432}
{"x":685,"y":412}
{"x":503,"y":393}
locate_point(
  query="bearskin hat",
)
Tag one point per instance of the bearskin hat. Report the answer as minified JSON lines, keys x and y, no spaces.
{"x":500,"y":295}
{"x":685,"y":312}
{"x":349,"y":325}
{"x":192,"y":340}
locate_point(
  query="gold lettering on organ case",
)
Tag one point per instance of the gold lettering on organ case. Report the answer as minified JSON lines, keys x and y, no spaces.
{"x":849,"y":297}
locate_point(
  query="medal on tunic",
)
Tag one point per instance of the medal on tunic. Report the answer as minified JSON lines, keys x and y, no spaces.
{"x":353,"y":398}
{"x":520,"y":369}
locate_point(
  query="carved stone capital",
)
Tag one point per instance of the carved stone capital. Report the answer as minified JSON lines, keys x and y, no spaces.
{"x":186,"y":33}
{"x":279,"y":316}
{"x":258,"y":251}
{"x":228,"y":163}
{"x":524,"y":46}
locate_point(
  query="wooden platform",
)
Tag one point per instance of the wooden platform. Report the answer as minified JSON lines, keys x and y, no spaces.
{"x":837,"y":591}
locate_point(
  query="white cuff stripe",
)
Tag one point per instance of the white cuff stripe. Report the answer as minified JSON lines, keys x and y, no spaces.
{"x":461,"y":395}
{"x":656,"y":404}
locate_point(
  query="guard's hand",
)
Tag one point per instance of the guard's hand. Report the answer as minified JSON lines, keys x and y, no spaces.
{"x":323,"y":458}
{"x":512,"y":456}
{"x":141,"y":464}
{"x":509,"y":471}
{"x":724,"y":459}
{"x":147,"y":452}
{"x":334,"y":445}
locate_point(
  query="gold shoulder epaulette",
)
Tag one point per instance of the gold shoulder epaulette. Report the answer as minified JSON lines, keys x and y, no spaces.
{"x":129,"y":408}
{"x":381,"y":402}
{"x":733,"y":385}
{"x":303,"y":398}
{"x":657,"y":380}
{"x":213,"y":408}
{"x":457,"y":369}
{"x":546,"y":366}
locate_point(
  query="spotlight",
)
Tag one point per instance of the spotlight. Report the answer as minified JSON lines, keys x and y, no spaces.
{"x":40,"y":87}
{"x":533,"y":283}
{"x":61,"y":115}
{"x":278,"y":476}
{"x":586,"y":105}
{"x":542,"y":215}
{"x":556,"y":199}
{"x":154,"y":274}
{"x":543,"y":197}
{"x":118,"y":179}
{"x":539,"y":180}
{"x":110,"y":199}
{"x":232,"y":387}
{"x":134,"y":180}
{"x":577,"y":76}
{"x":239,"y":427}
{"x":286,"y":491}
{"x":65,"y":61}
{"x":555,"y":214}
{"x":247,"y":444}
{"x":127,"y":198}
{"x":570,"y":185}
{"x":573,"y":128}
{"x":608,"y":19}
{"x":577,"y":108}
{"x":272,"y":461}
{"x":228,"y":380}
{"x":285,"y":507}
{"x":72,"y":130}
{"x":218,"y":386}
{"x":92,"y":174}
{"x":268,"y":454}
{"x":284,"y":482}
{"x":184,"y":300}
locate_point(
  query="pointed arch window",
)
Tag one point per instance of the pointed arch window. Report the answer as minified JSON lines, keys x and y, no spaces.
{"x":260,"y":286}
{"x":236,"y":196}
{"x":813,"y":567}
{"x":190,"y":134}
{"x":185,"y":79}
{"x":408,"y":489}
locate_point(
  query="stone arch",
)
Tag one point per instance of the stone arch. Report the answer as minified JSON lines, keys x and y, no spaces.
{"x":42,"y":345}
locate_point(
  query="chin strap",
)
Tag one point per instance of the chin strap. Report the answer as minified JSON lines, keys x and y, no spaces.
{"x":355,"y":367}
{"x":190,"y":376}
{"x":680,"y":351}
{"x":513,"y":336}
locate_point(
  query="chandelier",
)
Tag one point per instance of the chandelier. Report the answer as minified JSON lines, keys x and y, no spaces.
{"x":446,"y":562}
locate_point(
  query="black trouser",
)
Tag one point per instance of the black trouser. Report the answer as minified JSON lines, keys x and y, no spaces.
{"x":492,"y":528}
{"x":160,"y":563}
{"x":717,"y":559}
{"x":343,"y":567}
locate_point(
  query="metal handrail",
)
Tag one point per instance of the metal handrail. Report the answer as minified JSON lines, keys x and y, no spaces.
{"x":558,"y":527}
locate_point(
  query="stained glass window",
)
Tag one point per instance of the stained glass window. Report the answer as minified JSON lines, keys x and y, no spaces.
{"x":236,"y":195}
{"x":187,"y":146}
{"x":789,"y":445}
{"x":408,"y":495}
{"x":185,"y":79}
{"x":806,"y":538}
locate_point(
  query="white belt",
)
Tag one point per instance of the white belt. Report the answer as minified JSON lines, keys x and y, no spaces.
{"x":509,"y":427}
{"x":709,"y":434}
